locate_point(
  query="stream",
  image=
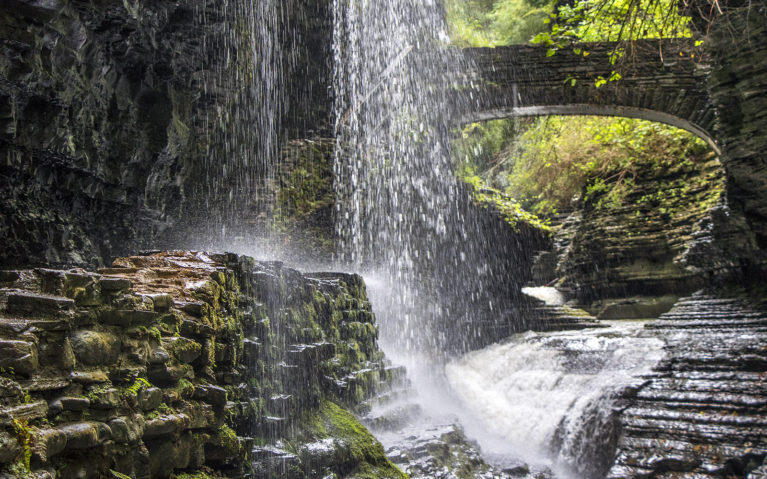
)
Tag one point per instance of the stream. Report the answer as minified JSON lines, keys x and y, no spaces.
{"x":542,"y":399}
{"x":540,"y":396}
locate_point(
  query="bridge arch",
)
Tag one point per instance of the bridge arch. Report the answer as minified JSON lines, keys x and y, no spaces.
{"x":597,"y":110}
{"x":660,"y":82}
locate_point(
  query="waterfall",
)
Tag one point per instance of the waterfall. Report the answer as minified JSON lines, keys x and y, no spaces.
{"x":393,"y":175}
{"x":246,"y":91}
{"x":402,"y":214}
{"x":548,"y":397}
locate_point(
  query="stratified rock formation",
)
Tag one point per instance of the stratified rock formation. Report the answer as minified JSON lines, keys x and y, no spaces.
{"x":187,"y":362}
{"x":702,"y":412}
{"x":671,"y":233}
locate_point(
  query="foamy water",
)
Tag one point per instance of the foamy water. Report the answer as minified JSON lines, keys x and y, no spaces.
{"x":536,"y":394}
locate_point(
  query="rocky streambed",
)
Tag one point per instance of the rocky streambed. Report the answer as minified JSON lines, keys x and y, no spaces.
{"x":681,"y":396}
{"x":182,"y":364}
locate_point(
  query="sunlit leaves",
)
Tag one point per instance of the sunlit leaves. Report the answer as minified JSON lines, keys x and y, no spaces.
{"x":544,"y":162}
{"x":488,"y":23}
{"x":483,"y":23}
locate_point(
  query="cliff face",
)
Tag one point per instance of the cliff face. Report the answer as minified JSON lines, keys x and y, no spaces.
{"x":670,"y":233}
{"x":114,"y":115}
{"x":737,"y":42}
{"x":95,"y":107}
{"x":187,"y":362}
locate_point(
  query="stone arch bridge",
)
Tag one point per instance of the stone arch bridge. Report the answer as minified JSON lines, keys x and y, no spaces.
{"x":664,"y":82}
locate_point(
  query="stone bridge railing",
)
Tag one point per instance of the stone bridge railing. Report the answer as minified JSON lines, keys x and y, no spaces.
{"x":662,"y":82}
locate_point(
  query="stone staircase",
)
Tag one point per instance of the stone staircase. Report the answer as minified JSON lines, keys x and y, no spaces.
{"x":703,"y":412}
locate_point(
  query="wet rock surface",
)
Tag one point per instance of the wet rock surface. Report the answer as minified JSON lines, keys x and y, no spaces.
{"x":187,"y":362}
{"x":702,"y":412}
{"x":444,"y":452}
{"x":657,"y":240}
{"x":114,"y":115}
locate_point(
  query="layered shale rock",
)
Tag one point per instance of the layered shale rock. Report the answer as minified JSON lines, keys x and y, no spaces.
{"x":187,"y":362}
{"x":115,"y":117}
{"x":737,"y":43}
{"x":701,"y":413}
{"x":670,"y":233}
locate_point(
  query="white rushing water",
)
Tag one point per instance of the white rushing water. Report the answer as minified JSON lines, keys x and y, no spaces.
{"x":549,"y":295}
{"x":535,"y":395}
{"x":401,"y":210}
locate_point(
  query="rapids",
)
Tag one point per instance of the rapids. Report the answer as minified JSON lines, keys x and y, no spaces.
{"x":540,"y":394}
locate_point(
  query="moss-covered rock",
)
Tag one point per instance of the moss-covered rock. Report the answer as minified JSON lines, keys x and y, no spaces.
{"x":236,"y":353}
{"x":333,"y":440}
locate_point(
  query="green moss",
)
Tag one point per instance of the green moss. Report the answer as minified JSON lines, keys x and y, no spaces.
{"x":185,"y":388}
{"x":305,"y":200}
{"x":155,"y":333}
{"x":227,"y":439}
{"x":360,"y":454}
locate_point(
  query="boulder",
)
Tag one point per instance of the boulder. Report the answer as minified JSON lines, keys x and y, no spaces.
{"x":128,"y":429}
{"x":19,"y":357}
{"x":93,"y":348}
{"x":48,"y":443}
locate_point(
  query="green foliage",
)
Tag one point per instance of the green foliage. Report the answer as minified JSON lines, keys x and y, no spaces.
{"x":549,"y":161}
{"x":616,"y":20}
{"x":199,"y":475}
{"x":511,"y":211}
{"x":119,"y":475}
{"x":137,"y":385}
{"x":24,"y":436}
{"x":558,"y":25}
{"x":488,"y":23}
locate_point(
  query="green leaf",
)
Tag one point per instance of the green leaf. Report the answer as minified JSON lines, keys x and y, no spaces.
{"x":577,"y":51}
{"x":550,"y":52}
{"x":698,"y":43}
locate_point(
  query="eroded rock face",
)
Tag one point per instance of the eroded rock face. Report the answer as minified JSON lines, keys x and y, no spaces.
{"x":671,"y":233}
{"x":96,"y":104}
{"x":185,"y":361}
{"x":736,"y":85}
{"x":112,"y":119}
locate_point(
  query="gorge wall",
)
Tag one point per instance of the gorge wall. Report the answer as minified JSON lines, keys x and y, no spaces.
{"x":112,"y":116}
{"x":737,"y":43}
{"x":181,"y":363}
{"x":669,"y":232}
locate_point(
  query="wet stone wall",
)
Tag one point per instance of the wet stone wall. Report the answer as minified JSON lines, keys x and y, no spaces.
{"x":114,"y":115}
{"x":179,"y":363}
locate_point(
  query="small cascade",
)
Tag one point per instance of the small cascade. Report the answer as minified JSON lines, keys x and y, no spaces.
{"x":548,"y":397}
